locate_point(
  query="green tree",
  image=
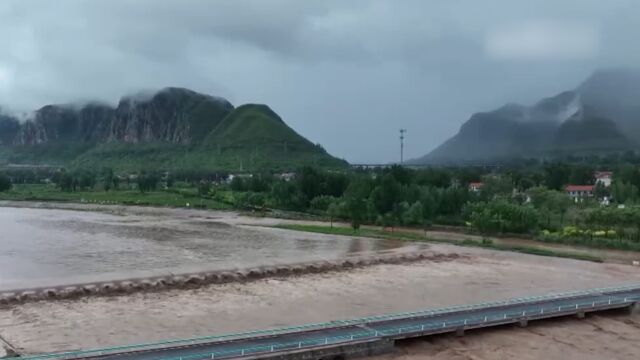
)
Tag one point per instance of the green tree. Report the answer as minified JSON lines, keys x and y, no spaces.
{"x":387,"y":194}
{"x":440,"y":178}
{"x":310,"y":182}
{"x":560,"y":203}
{"x":414,"y":215}
{"x":5,"y":182}
{"x":452,"y":200}
{"x":169,"y":180}
{"x":204,"y":188}
{"x":238,"y":184}
{"x":356,"y":201}
{"x":496,"y":185}
{"x":556,"y":175}
{"x":401,"y":174}
{"x":429,"y":200}
{"x":550,"y":202}
{"x":260,"y":183}
{"x":335,"y":184}
{"x":322,"y":202}
{"x":85,"y":179}
{"x":116,"y":182}
{"x":107,"y":178}
{"x":500,"y":216}
{"x":627,"y":174}
{"x":65,"y":181}
{"x":581,"y":175}
{"x":147,"y":182}
{"x":624,"y":192}
{"x":333,"y":210}
{"x":284,"y":193}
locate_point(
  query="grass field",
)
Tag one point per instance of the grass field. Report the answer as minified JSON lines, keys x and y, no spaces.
{"x":412,"y":236}
{"x":172,"y":198}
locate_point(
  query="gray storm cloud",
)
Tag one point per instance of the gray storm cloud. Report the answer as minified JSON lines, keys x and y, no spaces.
{"x":346,"y":74}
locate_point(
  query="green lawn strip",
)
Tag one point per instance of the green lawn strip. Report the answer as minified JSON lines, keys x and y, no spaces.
{"x":406,"y":236}
{"x":124,"y":197}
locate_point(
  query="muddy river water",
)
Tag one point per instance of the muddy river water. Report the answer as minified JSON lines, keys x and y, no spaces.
{"x":46,"y":246}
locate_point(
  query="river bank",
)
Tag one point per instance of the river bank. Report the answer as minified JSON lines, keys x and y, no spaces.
{"x":246,"y":221}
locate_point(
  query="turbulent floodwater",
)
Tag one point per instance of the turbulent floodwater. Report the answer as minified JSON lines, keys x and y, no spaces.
{"x":43,"y":246}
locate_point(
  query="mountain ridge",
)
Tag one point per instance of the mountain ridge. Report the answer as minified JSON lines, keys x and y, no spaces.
{"x":602,"y":111}
{"x":166,"y":129}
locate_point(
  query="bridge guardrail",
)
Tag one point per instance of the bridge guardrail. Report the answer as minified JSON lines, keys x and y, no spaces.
{"x":320,"y":326}
{"x":421,"y":328}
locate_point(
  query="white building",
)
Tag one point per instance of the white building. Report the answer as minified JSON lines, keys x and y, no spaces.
{"x":603,"y":177}
{"x":579,"y":192}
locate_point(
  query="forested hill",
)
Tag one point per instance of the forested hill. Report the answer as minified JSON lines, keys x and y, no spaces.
{"x":174,"y":128}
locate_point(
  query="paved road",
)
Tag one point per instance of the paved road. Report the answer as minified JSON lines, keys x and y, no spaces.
{"x":389,"y":327}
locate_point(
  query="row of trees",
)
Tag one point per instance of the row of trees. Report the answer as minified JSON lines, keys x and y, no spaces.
{"x":390,"y":197}
{"x":400,"y":196}
{"x":514,"y":200}
{"x":625,"y":221}
{"x":88,"y":180}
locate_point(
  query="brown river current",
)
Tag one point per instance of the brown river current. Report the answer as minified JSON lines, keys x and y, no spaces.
{"x":41,"y":247}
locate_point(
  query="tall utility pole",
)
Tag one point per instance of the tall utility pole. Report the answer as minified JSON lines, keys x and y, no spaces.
{"x":402,"y":131}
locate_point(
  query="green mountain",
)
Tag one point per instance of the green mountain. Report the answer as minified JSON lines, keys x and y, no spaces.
{"x":256,"y":125}
{"x":172,"y":129}
{"x":600,"y":116}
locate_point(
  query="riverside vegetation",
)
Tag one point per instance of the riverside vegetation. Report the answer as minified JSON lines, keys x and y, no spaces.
{"x":525,"y":201}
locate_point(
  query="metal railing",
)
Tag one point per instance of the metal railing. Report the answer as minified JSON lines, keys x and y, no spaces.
{"x":332,"y":324}
{"x":427,"y":327}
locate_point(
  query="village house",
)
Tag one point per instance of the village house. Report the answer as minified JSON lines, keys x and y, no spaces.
{"x":603,"y":177}
{"x":579,"y":192}
{"x":242,"y":176}
{"x":288,"y":176}
{"x":475,"y":186}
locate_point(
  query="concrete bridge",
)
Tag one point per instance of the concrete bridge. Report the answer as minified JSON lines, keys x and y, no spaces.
{"x":368,"y":336}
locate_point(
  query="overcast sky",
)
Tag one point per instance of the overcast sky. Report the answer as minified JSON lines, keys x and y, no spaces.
{"x":344,"y":73}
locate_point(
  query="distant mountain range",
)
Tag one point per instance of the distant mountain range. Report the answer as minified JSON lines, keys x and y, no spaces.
{"x":174,"y":128}
{"x":600,"y":116}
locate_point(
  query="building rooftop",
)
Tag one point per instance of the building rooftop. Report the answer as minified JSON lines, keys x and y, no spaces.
{"x":579,"y":188}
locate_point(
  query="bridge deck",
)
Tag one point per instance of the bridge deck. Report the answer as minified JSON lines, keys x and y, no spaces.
{"x":373,"y":329}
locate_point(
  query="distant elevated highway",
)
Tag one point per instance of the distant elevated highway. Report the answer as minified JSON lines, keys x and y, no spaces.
{"x":370,"y":335}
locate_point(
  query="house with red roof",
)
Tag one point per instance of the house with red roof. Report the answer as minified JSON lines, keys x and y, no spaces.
{"x":580,"y":191}
{"x":475,"y":186}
